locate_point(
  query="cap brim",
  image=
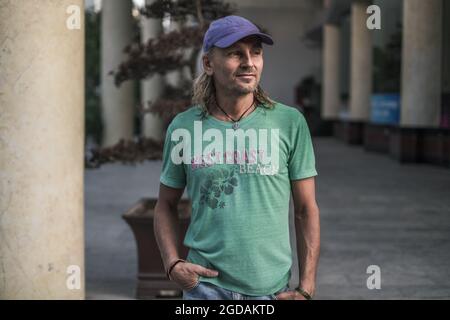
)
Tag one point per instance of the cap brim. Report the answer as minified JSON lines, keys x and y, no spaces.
{"x":234,"y":37}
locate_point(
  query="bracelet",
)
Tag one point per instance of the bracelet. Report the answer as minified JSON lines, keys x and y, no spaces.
{"x":303,"y":293}
{"x":169,"y":270}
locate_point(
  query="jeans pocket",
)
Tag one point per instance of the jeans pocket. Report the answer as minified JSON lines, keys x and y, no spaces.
{"x":274,"y":296}
{"x":195,"y":286}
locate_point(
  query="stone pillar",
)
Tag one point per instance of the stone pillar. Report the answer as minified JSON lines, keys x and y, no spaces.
{"x":117,"y":103}
{"x":41,"y":149}
{"x":421,"y":63}
{"x":331,"y":62}
{"x":360,"y":63}
{"x":151,"y":88}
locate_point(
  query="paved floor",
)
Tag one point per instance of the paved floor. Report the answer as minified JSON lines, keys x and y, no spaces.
{"x":374,"y":211}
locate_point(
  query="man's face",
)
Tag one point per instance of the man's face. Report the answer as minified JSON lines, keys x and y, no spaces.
{"x":236,"y":69}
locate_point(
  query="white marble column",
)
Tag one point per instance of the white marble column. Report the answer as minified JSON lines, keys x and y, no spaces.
{"x":41,"y":149}
{"x":421,"y":63}
{"x":151,"y":88}
{"x":117,"y":103}
{"x":331,"y":69}
{"x":360,"y":63}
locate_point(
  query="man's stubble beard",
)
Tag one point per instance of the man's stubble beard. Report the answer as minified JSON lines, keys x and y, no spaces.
{"x":244,"y":90}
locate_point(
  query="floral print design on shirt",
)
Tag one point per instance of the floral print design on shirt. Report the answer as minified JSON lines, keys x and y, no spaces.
{"x":219,"y":184}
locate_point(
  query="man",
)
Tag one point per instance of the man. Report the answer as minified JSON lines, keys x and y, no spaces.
{"x":240,"y":155}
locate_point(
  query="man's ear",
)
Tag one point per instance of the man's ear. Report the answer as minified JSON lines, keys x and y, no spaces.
{"x":207,"y":65}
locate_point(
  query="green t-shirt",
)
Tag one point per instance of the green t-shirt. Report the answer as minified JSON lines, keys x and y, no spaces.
{"x":238,"y":181}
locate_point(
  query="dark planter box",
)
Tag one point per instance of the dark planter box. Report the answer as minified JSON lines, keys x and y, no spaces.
{"x":151,"y":279}
{"x":404,"y":145}
{"x":377,"y":137}
{"x":426,"y":145}
{"x":407,"y":145}
{"x":351,"y":132}
{"x":317,"y":126}
{"x":435,"y":146}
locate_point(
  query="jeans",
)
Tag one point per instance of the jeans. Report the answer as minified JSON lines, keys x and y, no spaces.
{"x":208,"y":291}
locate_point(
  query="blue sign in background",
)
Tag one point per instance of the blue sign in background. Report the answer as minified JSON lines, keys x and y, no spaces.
{"x":385,"y":108}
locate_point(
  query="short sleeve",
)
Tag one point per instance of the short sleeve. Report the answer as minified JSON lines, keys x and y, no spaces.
{"x":301,"y":164}
{"x":172,"y":175}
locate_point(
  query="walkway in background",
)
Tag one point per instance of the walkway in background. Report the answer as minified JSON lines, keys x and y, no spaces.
{"x":374,"y":211}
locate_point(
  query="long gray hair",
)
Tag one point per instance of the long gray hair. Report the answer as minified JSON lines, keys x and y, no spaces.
{"x":204,"y":93}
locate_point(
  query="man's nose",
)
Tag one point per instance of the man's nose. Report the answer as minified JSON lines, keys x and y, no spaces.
{"x":247,"y":60}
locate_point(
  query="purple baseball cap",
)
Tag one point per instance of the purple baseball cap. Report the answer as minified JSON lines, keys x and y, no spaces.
{"x":225,"y":31}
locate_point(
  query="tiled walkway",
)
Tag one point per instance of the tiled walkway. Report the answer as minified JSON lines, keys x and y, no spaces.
{"x":374,"y":211}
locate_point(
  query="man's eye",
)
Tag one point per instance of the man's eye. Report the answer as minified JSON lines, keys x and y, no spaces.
{"x":238,"y":53}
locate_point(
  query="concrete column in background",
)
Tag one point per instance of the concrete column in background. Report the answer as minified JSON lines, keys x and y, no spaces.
{"x":41,"y":149}
{"x":117,"y":103}
{"x":331,"y":62}
{"x":151,"y":88}
{"x":421,"y":63}
{"x":360,"y":63}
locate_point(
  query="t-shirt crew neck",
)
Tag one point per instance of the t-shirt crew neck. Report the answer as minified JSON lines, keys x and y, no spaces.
{"x":244,"y":120}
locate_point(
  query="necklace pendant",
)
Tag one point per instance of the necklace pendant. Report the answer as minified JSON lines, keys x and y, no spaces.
{"x":235,"y":125}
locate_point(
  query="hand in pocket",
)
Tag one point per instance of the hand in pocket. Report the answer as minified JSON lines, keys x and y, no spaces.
{"x":187,"y":274}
